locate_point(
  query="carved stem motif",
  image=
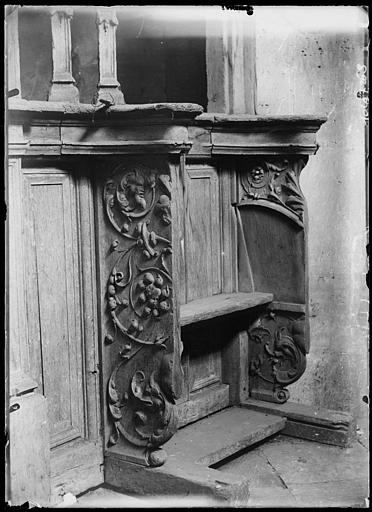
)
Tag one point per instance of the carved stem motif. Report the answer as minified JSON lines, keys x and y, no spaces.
{"x":277,"y":355}
{"x":139,"y":301}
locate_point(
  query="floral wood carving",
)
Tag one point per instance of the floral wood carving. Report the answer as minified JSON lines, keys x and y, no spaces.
{"x":275,"y":180}
{"x":139,"y":301}
{"x":277,"y":350}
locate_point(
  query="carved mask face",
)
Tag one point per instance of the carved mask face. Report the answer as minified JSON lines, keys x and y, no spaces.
{"x":135,"y":185}
{"x":257,"y":177}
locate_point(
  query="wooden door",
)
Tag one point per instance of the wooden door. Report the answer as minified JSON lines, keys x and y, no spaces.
{"x":203,"y":274}
{"x":58,"y":239}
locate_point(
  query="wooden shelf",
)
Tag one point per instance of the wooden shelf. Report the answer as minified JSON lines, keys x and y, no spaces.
{"x":219,"y":305}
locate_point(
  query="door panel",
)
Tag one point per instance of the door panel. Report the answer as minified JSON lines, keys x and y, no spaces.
{"x":53,"y":293}
{"x":61,"y":316}
{"x":202,"y":233}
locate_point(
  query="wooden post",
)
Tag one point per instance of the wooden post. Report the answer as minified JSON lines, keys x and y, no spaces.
{"x":108,"y":86}
{"x":231,"y":66}
{"x":63,"y":84}
{"x":12,"y":49}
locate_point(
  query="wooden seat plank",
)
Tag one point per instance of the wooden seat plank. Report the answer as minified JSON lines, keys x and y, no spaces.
{"x":219,"y":305}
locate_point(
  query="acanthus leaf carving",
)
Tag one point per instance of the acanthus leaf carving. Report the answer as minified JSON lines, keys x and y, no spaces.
{"x":277,"y":355}
{"x":141,"y":406}
{"x":140,"y":304}
{"x":275,"y":180}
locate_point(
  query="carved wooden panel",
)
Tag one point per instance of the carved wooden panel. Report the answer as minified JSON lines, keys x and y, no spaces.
{"x":139,"y":305}
{"x":277,"y":355}
{"x":202,"y":232}
{"x":272,"y":213}
{"x":274,"y":182}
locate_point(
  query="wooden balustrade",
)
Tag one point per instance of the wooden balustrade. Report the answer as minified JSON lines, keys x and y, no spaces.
{"x":63,"y":86}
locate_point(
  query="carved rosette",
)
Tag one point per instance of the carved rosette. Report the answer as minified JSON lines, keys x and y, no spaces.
{"x":275,"y":180}
{"x":277,"y":348}
{"x":139,"y":302}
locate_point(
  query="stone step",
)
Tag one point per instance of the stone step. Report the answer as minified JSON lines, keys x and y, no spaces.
{"x":191,"y":452}
{"x":222,"y":434}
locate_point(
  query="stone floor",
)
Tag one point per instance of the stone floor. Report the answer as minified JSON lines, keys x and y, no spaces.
{"x":283,"y":471}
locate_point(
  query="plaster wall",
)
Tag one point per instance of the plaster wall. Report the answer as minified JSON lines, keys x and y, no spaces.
{"x":307,"y":63}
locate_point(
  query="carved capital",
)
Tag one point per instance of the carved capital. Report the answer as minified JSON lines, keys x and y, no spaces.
{"x":140,"y":305}
{"x":277,"y":348}
{"x":274,"y":180}
{"x":65,"y":11}
{"x":106,"y":16}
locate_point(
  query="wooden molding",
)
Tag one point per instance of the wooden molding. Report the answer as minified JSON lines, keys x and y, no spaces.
{"x":19,"y":363}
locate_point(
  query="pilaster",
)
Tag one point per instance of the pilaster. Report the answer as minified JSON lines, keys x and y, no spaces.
{"x":141,"y":337}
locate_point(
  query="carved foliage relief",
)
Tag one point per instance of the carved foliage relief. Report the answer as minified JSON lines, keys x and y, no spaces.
{"x":275,"y":180}
{"x":277,"y":348}
{"x":139,"y":303}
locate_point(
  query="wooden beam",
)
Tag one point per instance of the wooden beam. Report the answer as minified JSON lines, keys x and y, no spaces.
{"x":231,"y":64}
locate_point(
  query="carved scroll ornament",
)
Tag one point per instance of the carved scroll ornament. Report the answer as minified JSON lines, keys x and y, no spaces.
{"x":139,"y":302}
{"x":275,"y":180}
{"x":277,"y":350}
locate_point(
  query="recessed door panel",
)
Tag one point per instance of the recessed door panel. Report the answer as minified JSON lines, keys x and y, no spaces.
{"x":53,"y":299}
{"x":202,"y":233}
